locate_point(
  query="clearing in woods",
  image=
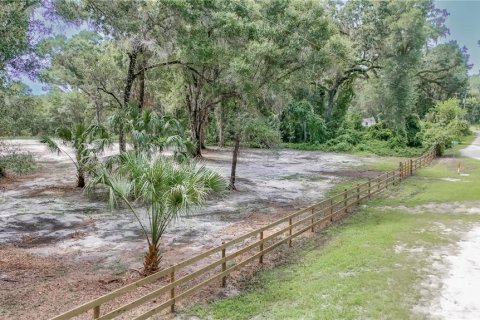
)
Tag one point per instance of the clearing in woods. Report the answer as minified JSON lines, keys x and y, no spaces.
{"x":59,"y":248}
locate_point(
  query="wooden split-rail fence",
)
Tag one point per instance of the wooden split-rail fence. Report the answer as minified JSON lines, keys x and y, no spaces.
{"x":180,"y":282}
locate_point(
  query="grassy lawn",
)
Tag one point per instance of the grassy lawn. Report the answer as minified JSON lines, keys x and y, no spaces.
{"x":368,"y":268}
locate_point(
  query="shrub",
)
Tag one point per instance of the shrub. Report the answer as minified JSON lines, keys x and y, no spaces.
{"x":300,"y":123}
{"x":341,"y":147}
{"x":258,"y":133}
{"x":459,"y":128}
{"x":412,"y":130}
{"x":379,"y":131}
{"x":445,"y":112}
{"x":12,"y":158}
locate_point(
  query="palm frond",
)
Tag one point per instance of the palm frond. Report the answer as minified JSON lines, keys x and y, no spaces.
{"x":65,"y":134}
{"x":51,"y":144}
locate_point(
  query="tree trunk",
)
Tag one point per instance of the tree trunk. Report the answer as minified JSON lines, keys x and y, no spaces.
{"x":220,"y":126}
{"x":97,"y":110}
{"x":197,"y":139}
{"x":121,"y":139}
{"x":141,"y":79}
{"x":192,"y":99}
{"x":97,"y":113}
{"x":236,"y":149}
{"x":127,"y":91}
{"x":330,"y":103}
{"x":141,"y":90}
{"x":202,"y":137}
{"x":152,"y":260}
{"x":80,"y":179}
{"x":304,"y":131}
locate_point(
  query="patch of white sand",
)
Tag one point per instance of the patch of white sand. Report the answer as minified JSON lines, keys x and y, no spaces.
{"x":473,"y":151}
{"x":459,"y":296}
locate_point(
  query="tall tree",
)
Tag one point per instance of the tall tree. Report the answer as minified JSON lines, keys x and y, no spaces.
{"x":141,"y":29}
{"x":280,"y":39}
{"x":14,"y":37}
{"x":442,"y":74}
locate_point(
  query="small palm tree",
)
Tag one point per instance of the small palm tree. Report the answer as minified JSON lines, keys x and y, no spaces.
{"x":166,"y":188}
{"x":150,"y":132}
{"x":87,"y":143}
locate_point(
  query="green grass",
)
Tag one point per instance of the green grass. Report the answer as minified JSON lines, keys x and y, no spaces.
{"x":341,"y":186}
{"x":431,"y":185}
{"x":386,"y":164}
{"x":357,"y":273}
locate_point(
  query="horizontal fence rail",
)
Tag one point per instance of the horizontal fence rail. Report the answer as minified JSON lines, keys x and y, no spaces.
{"x":230,"y":256}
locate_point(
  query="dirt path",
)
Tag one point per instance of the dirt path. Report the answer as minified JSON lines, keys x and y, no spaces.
{"x":473,"y":150}
{"x":88,"y":250}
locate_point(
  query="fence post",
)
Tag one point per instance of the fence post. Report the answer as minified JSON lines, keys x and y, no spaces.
{"x":313,"y":210}
{"x":96,"y":312}
{"x":411,"y":167}
{"x":345,"y":202}
{"x":369,"y":188}
{"x":386,"y":181}
{"x":331,"y":209}
{"x":172,"y":291}
{"x":224,"y":267}
{"x":358,"y":193}
{"x":260,"y":259}
{"x":290,"y":232}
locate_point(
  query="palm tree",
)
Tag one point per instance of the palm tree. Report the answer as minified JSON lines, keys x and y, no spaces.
{"x":151,"y":132}
{"x":87,"y":143}
{"x":167,"y":190}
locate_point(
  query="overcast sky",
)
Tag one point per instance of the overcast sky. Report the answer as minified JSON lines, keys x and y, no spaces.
{"x":464,"y":25}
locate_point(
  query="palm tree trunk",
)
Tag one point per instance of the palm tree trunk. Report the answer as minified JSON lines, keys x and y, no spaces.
{"x":152,"y":260}
{"x":80,"y":179}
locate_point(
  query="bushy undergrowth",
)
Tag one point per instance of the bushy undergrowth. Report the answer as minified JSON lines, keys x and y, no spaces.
{"x":441,"y":127}
{"x":12,"y":158}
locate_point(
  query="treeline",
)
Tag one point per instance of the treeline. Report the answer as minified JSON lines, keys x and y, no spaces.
{"x":240,"y":72}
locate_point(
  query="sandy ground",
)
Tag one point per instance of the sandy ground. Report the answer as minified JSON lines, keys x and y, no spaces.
{"x":459,"y":286}
{"x":473,"y":150}
{"x":459,"y":294}
{"x":59,"y":248}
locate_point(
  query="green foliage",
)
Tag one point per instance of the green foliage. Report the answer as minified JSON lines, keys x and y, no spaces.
{"x":87,"y":143}
{"x":21,"y":113}
{"x":472,"y":102}
{"x":445,"y":125}
{"x":259,"y":133}
{"x":379,"y":131}
{"x":12,"y":158}
{"x":14,"y":15}
{"x":167,"y":190}
{"x":299,"y":123}
{"x":413,"y":130}
{"x":445,"y":112}
{"x":441,"y":75}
